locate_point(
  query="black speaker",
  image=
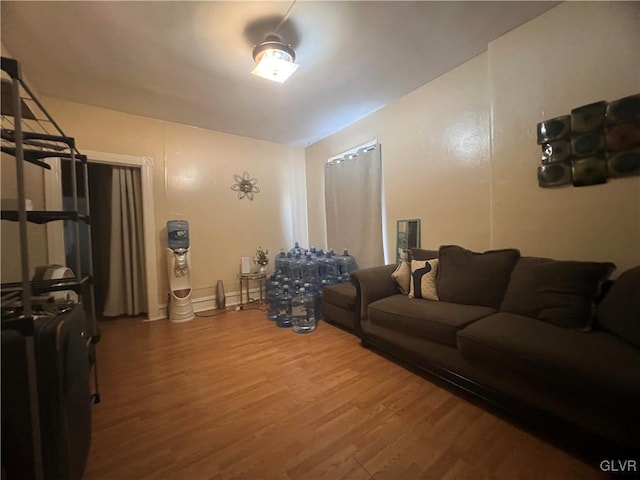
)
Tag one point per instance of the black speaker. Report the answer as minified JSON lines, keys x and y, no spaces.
{"x":588,"y":171}
{"x":624,"y":163}
{"x":557,"y":151}
{"x":625,"y":136}
{"x":554,"y":129}
{"x":588,"y":118}
{"x":625,"y":110}
{"x":554,"y":174}
{"x":587,"y":144}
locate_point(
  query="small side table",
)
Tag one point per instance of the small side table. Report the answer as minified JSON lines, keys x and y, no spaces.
{"x":245,"y":280}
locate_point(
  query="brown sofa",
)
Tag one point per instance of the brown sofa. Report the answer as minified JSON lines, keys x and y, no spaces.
{"x":520,"y":332}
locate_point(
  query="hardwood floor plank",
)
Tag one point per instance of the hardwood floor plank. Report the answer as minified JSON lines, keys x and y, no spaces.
{"x":233,"y":396}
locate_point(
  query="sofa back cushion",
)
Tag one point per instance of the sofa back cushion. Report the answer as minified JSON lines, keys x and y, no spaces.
{"x":473,"y":278}
{"x":619,"y":311}
{"x":559,"y":292}
{"x":422,"y":254}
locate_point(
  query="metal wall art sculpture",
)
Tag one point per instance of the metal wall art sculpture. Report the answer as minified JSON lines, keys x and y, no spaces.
{"x":245,"y":186}
{"x":596,"y":142}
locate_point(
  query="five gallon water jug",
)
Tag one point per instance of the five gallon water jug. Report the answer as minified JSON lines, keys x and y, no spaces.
{"x":273,"y":299}
{"x":295,"y":266}
{"x":280,"y":262}
{"x":346,"y":265}
{"x":327,"y":268}
{"x":177,"y":234}
{"x":303,"y":313}
{"x":296,"y":250}
{"x":321,"y":261}
{"x":318,"y":297}
{"x":309,"y":269}
{"x":315,"y":292}
{"x":283,"y":318}
{"x":286,"y":264}
{"x":272,"y":280}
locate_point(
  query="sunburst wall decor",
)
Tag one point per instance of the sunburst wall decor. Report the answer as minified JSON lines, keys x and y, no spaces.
{"x":245,"y":186}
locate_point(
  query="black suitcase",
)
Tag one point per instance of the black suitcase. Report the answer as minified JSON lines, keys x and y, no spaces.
{"x":64,"y":398}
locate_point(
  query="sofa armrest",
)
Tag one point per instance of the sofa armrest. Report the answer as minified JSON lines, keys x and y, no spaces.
{"x":372,"y":284}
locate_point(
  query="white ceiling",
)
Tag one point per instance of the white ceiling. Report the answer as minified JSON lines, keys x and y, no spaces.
{"x":189,"y":62}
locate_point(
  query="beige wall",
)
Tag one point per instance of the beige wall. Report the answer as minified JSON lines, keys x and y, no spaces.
{"x":460,"y":152}
{"x":192,"y":174}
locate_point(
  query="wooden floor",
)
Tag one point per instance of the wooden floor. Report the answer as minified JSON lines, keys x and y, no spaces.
{"x":233,"y":396}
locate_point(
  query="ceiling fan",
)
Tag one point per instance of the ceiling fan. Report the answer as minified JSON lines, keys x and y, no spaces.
{"x":275,"y":59}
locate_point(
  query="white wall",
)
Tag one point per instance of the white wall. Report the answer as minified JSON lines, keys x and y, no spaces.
{"x":460,"y":152}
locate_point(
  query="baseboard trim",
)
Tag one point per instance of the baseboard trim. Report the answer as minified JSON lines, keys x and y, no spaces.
{"x":202,"y":304}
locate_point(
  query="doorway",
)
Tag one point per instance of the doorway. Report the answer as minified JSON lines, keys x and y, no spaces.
{"x":101,"y":162}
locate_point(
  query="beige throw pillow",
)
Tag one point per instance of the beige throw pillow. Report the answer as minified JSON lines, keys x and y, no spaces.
{"x":402,"y":276}
{"x":423,"y":279}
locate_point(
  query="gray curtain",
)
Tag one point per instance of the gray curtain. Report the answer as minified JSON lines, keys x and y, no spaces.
{"x":353,"y":201}
{"x":126,"y":291}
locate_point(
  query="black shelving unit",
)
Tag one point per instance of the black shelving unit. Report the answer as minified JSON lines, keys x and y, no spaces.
{"x":30,"y":135}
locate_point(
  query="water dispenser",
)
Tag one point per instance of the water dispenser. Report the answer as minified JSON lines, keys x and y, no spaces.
{"x":180,"y":308}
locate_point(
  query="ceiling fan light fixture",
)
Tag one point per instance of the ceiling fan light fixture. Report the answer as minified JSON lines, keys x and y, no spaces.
{"x":274,"y":60}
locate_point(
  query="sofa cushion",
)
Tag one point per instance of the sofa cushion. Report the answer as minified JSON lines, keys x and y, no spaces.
{"x":422,"y":254}
{"x":423,"y":279}
{"x":436,"y":321}
{"x":558,"y":355}
{"x":342,"y":294}
{"x":619,"y":312}
{"x":559,"y":292}
{"x":474,"y":278}
{"x":402,"y":276}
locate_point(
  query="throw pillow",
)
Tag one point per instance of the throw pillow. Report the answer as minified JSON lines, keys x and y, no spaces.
{"x":423,"y":279}
{"x":402,"y":276}
{"x":473,"y":278}
{"x":619,"y":311}
{"x":559,"y":292}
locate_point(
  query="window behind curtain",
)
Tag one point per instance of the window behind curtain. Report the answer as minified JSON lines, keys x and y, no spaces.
{"x":353,"y":201}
